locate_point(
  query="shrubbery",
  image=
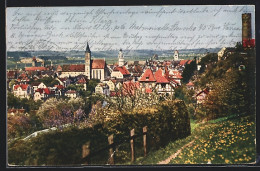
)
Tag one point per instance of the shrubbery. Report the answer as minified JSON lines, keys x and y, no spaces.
{"x":165,"y":122}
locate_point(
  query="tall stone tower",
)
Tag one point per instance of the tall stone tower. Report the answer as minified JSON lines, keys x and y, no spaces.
{"x":120,"y":58}
{"x":176,"y":55}
{"x":246,"y":26}
{"x":88,"y":62}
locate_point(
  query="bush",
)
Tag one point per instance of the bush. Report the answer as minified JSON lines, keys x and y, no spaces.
{"x":165,"y":122}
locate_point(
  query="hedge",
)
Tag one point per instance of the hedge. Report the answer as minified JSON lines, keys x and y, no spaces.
{"x":166,"y":122}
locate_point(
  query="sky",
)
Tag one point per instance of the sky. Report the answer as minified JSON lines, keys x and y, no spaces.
{"x":126,"y":27}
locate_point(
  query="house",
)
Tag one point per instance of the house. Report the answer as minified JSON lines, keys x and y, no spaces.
{"x":59,"y":90}
{"x":22,"y":90}
{"x":190,"y":85}
{"x":82,"y":80}
{"x":135,"y":71}
{"x":71,"y":94}
{"x":12,"y":74}
{"x":163,"y":85}
{"x":147,"y":79}
{"x":176,"y":75}
{"x":64,"y":81}
{"x":200,"y":96}
{"x":102,"y":88}
{"x":15,"y":111}
{"x":120,"y":72}
{"x":111,"y":84}
{"x":37,"y":85}
{"x":43,"y":94}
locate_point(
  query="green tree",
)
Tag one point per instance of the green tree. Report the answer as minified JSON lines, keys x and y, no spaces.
{"x":92,"y":84}
{"x":189,"y":71}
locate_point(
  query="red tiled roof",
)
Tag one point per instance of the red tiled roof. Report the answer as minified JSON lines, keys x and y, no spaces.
{"x":189,"y":61}
{"x":122,"y":69}
{"x":190,"y":84}
{"x":183,"y":62}
{"x":176,"y":75}
{"x":159,"y":77}
{"x":45,"y":90}
{"x":98,"y":64}
{"x":73,"y":68}
{"x":35,"y":83}
{"x":81,"y":81}
{"x":23,"y":86}
{"x":59,"y":68}
{"x":35,"y":68}
{"x":147,"y":76}
{"x":16,"y":110}
{"x":59,"y":86}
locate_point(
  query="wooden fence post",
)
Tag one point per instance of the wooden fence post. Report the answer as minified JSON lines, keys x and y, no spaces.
{"x":132,"y":133}
{"x":86,"y":152}
{"x":144,"y":139}
{"x":111,"y":149}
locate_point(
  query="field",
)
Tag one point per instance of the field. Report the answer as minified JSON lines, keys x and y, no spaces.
{"x":221,"y":141}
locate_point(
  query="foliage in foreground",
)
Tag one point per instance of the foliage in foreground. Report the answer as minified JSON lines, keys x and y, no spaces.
{"x":168,"y":121}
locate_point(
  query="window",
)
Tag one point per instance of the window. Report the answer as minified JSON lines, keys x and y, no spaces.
{"x":163,"y":85}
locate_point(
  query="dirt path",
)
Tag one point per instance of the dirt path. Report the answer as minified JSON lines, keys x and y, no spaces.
{"x":176,"y":154}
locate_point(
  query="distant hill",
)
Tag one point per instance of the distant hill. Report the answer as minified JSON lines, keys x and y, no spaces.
{"x":106,"y":54}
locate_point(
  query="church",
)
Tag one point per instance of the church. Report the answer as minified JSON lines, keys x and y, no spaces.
{"x":93,"y":68}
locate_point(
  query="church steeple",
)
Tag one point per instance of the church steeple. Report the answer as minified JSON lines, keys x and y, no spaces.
{"x":88,"y":62}
{"x":120,"y":58}
{"x":88,"y":49}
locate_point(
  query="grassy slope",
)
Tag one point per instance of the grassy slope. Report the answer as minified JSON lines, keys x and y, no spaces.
{"x":222,"y":141}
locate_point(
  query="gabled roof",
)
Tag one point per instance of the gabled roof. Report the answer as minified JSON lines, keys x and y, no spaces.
{"x":73,"y":68}
{"x":23,"y":86}
{"x":175,"y":74}
{"x":43,"y":90}
{"x":147,"y":76}
{"x":122,"y":69}
{"x":59,"y":68}
{"x":59,"y":86}
{"x":35,"y":83}
{"x":159,"y":76}
{"x":16,"y":110}
{"x":190,"y":84}
{"x":184,"y":62}
{"x":98,"y":64}
{"x":35,"y":68}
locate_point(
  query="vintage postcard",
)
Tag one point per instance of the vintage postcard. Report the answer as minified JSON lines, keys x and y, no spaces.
{"x":131,"y":85}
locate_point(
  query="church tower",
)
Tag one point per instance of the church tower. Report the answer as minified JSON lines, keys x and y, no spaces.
{"x":120,"y":58}
{"x":176,"y":55}
{"x":88,"y":62}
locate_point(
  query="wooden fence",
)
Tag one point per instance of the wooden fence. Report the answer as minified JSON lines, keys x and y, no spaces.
{"x":86,"y":152}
